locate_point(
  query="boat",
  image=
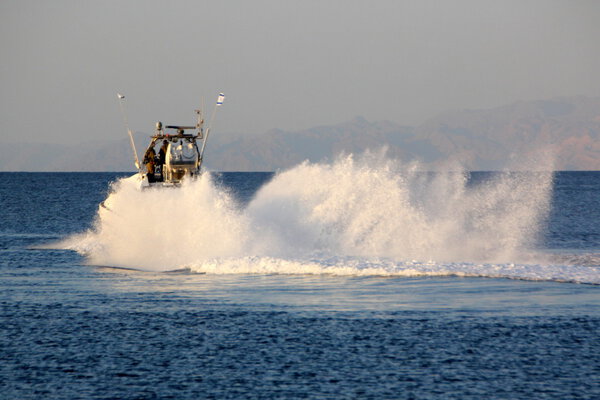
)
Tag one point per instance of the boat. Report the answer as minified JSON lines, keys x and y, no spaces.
{"x":173,"y":154}
{"x":178,"y":158}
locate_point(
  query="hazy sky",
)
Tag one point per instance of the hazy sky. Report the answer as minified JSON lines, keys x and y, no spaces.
{"x":282,"y":64}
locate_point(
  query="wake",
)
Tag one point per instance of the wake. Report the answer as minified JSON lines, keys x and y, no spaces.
{"x":365,"y":215}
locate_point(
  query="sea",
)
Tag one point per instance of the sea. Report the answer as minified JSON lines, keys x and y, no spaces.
{"x":353,"y":279}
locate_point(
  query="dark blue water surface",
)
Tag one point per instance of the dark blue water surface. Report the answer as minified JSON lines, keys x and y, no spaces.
{"x":74,"y":331}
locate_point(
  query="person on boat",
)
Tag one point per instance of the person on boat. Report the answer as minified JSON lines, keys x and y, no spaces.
{"x":162,"y":158}
{"x":150,"y":161}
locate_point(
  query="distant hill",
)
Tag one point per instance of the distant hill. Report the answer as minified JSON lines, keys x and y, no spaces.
{"x":478,"y":139}
{"x":90,"y":156}
{"x":281,"y":149}
{"x":485,"y":139}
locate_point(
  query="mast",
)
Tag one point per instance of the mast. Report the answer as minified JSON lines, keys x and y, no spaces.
{"x":220,"y":100}
{"x":135,"y":156}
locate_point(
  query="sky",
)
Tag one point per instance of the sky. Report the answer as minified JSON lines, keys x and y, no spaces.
{"x":289,"y":64}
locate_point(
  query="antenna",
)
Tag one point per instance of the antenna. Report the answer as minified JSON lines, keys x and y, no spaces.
{"x":220,"y":100}
{"x":200,"y":121}
{"x":124,"y":114}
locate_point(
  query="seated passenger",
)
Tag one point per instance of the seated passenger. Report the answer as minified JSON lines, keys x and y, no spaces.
{"x":150,"y":161}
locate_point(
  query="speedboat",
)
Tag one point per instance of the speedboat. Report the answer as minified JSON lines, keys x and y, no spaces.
{"x":177,"y":158}
{"x":172,"y":155}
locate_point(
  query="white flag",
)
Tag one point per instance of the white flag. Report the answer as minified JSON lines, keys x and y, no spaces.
{"x":220,"y":99}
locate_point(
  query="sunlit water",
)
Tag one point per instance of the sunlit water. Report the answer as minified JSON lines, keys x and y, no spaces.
{"x":356,"y":279}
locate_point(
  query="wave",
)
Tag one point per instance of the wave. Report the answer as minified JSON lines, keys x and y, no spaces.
{"x":357,"y":266}
{"x":358,"y":215}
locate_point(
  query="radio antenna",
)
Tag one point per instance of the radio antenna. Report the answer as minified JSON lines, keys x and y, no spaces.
{"x":124,"y":114}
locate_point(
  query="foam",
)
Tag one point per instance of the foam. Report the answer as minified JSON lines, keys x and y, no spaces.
{"x":359,"y":215}
{"x":357,"y":266}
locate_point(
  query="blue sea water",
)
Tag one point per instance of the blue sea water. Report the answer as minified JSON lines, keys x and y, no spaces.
{"x":272,"y":314}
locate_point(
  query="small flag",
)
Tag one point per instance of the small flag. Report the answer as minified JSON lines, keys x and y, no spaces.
{"x":220,"y":99}
{"x":120,"y":96}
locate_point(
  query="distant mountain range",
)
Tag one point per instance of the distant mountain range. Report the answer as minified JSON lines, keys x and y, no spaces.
{"x":478,"y":139}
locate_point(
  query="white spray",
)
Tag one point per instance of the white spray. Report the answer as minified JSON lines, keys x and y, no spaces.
{"x":375,"y":207}
{"x":357,"y":215}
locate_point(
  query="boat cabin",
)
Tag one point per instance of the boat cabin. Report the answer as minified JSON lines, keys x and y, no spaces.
{"x":172,"y":155}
